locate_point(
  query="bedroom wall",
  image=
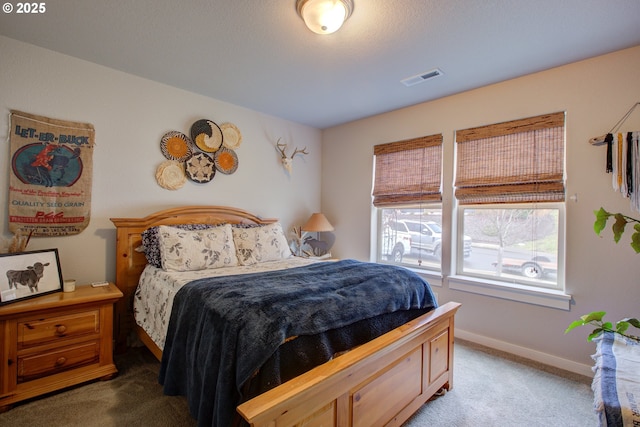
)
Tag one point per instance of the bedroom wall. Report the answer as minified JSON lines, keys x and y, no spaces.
{"x":130,"y":116}
{"x":600,"y":275}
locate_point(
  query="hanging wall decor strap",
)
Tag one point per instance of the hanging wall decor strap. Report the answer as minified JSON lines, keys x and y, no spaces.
{"x":601,"y":140}
{"x":622,"y":120}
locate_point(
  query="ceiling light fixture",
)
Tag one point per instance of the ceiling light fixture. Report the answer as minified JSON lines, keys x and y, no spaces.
{"x":324,"y":16}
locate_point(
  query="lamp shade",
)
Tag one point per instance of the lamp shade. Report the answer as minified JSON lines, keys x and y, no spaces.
{"x":317,"y":223}
{"x":324,"y":16}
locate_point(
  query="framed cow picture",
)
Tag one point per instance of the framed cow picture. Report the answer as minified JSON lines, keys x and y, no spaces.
{"x":29,"y":274}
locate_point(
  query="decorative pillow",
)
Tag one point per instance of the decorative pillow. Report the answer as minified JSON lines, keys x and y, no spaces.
{"x":260,"y":244}
{"x":188,"y":250}
{"x":246,"y":225}
{"x":151,"y":244}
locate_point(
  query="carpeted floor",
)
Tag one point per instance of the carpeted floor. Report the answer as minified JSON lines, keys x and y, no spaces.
{"x":495,"y":389}
{"x":490,"y":389}
{"x":133,"y":398}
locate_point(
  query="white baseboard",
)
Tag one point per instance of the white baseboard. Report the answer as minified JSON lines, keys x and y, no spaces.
{"x":527,"y":353}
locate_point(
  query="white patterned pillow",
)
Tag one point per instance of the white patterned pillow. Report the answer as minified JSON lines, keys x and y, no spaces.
{"x":151,"y":245}
{"x":188,"y":250}
{"x":260,"y":244}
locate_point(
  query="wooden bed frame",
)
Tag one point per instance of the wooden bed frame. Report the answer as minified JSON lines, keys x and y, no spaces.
{"x":380,"y":383}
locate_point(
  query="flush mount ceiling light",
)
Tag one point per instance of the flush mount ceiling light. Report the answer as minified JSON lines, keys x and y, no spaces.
{"x":324,"y":16}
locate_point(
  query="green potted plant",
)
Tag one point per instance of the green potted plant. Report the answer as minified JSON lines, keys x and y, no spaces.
{"x":596,"y":318}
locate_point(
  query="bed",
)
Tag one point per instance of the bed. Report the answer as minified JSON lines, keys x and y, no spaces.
{"x":381,"y":381}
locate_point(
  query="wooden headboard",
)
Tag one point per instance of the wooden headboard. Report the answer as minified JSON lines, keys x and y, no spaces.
{"x":130,"y":262}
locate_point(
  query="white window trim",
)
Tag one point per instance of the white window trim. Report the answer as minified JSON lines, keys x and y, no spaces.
{"x":515,"y":292}
{"x":431,"y":276}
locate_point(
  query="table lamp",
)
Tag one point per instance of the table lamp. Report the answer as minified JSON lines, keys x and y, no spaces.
{"x":317,"y":223}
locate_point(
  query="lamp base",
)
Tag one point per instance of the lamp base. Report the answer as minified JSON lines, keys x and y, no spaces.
{"x":318,"y":247}
{"x":325,"y":256}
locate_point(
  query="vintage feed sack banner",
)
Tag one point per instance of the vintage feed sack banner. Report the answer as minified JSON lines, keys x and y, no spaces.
{"x":51,"y":175}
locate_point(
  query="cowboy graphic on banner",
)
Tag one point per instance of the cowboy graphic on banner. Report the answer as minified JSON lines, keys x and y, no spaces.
{"x":51,"y":175}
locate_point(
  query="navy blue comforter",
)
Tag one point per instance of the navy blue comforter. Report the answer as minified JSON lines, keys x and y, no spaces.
{"x":223,"y":329}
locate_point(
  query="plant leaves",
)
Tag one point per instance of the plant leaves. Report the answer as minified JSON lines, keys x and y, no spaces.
{"x":622,"y":326}
{"x":601,"y":220}
{"x":635,"y":239}
{"x":574,"y":325}
{"x":618,"y":226}
{"x":594,"y":315}
{"x":594,"y":334}
{"x":634,"y":322}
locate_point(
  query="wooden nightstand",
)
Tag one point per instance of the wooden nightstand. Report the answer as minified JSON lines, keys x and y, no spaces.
{"x":56,"y":341}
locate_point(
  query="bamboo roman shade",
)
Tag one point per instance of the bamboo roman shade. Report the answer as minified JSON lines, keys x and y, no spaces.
{"x":513,"y":162}
{"x":408,"y":171}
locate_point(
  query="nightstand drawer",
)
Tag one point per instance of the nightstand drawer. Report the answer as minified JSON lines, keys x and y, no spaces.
{"x":31,"y":367}
{"x":56,"y":340}
{"x":41,"y":331}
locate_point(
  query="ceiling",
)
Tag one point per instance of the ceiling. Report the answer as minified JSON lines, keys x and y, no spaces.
{"x":258,"y":53}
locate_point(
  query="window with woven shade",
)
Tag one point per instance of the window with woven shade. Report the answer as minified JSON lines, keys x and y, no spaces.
{"x":407,"y":195}
{"x":408,"y":171}
{"x":509,"y":185}
{"x":519,"y":161}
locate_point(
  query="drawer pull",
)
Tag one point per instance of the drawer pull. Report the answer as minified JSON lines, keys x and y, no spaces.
{"x":61,"y":361}
{"x":61,"y":329}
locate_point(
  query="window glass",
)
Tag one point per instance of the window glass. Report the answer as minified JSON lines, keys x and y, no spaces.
{"x":512,"y":244}
{"x":410,"y":236}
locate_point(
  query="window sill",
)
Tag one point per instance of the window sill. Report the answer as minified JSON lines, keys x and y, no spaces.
{"x":434,"y":278}
{"x":545,"y":297}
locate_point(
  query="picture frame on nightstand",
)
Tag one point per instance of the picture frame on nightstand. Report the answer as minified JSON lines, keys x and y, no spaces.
{"x":29,"y":274}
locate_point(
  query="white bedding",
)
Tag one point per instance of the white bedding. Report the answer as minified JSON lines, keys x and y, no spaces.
{"x":156,"y":289}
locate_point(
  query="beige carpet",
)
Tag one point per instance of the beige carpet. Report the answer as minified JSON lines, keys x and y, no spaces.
{"x":494,"y":389}
{"x":133,"y":398}
{"x":490,"y":389}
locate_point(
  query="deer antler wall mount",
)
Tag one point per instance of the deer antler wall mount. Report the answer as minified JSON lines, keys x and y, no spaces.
{"x":287,"y":161}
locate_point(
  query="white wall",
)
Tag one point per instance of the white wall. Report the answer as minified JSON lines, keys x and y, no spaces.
{"x":130,"y":115}
{"x":599,"y":274}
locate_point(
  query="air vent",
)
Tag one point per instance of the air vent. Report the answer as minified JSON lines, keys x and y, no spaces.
{"x":423,"y":77}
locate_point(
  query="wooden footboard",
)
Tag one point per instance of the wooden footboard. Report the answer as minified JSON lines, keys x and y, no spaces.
{"x":381,"y":383}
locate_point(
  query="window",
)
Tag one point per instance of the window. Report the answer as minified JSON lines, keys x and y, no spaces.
{"x":411,"y":236}
{"x":515,"y":244}
{"x":510,"y":193}
{"x":407,"y":196}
